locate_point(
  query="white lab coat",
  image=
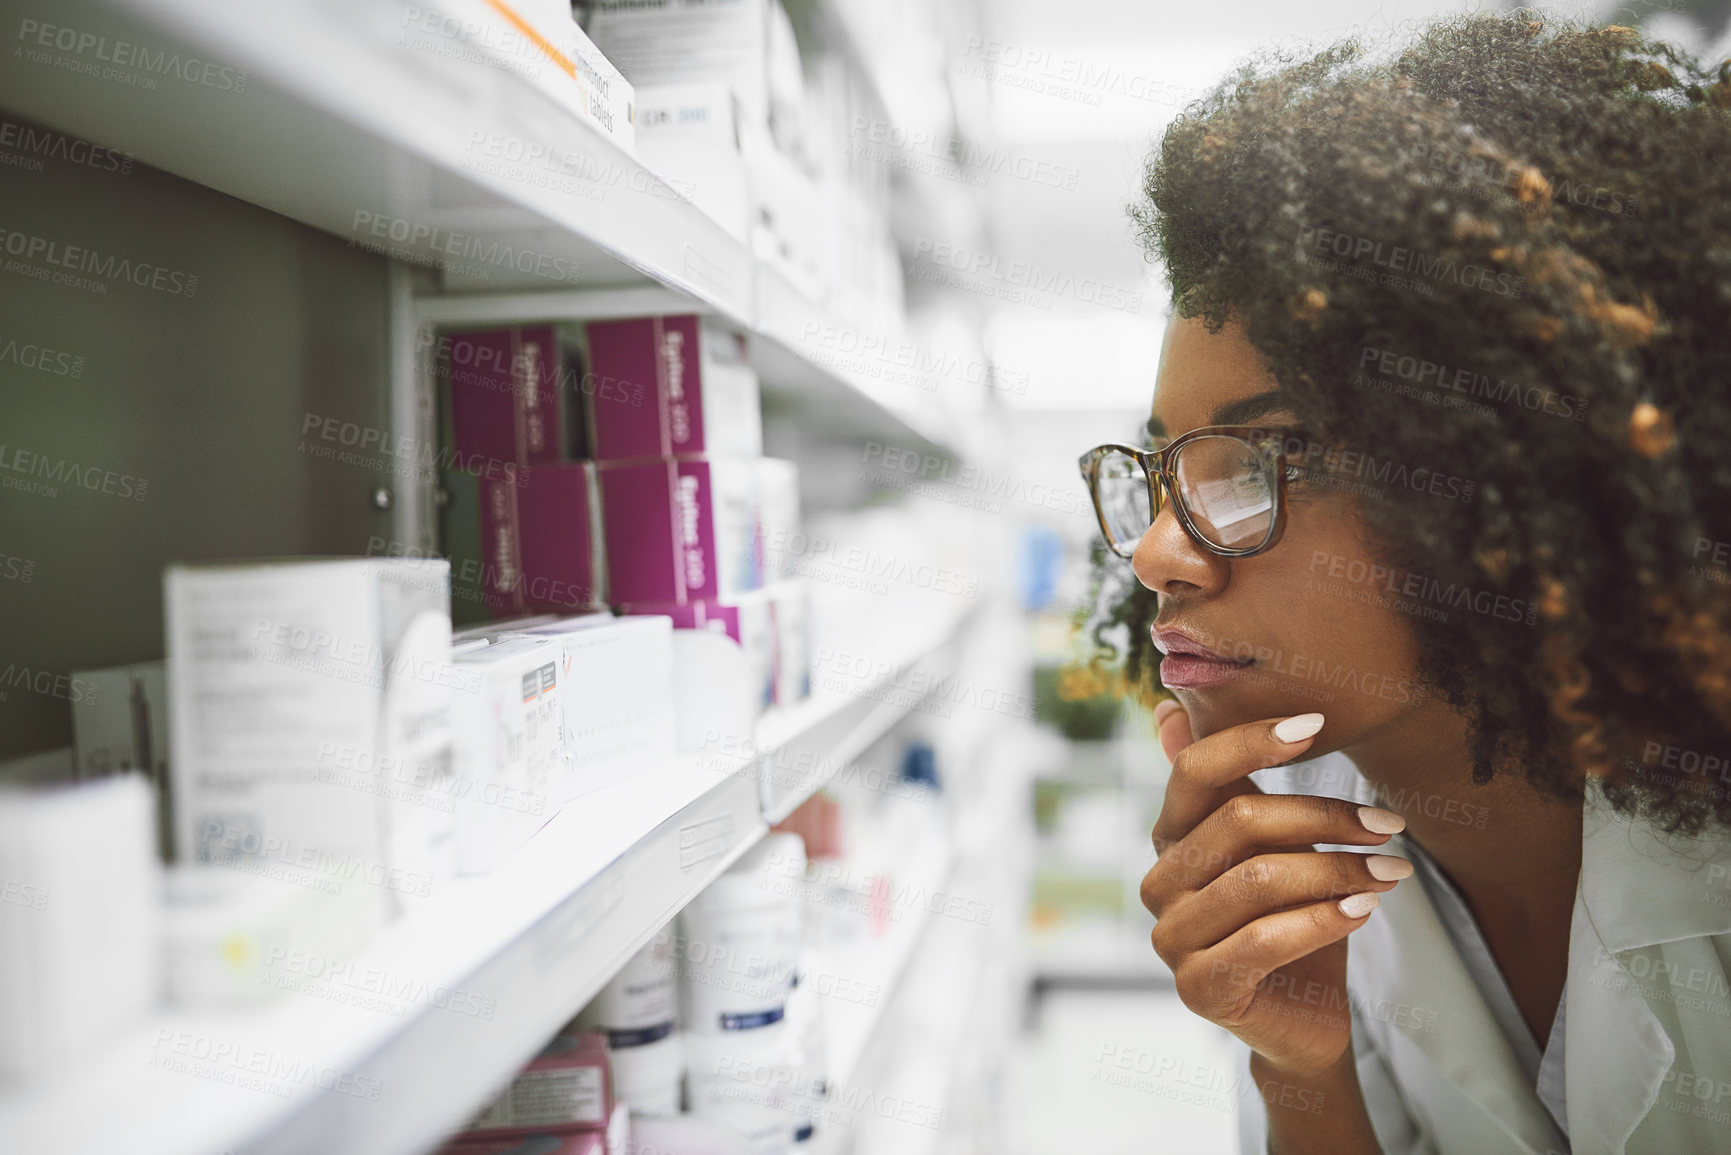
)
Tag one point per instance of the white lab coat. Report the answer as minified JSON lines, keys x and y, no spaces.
{"x":1647,"y":1039}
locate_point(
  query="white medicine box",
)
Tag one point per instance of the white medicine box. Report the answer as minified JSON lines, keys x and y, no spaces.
{"x":616,"y":679}
{"x":509,"y":747}
{"x":310,"y":716}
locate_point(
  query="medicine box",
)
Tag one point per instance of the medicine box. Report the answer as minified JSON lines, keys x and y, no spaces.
{"x":680,"y":530}
{"x":670,"y":385}
{"x":310,"y":705}
{"x":511,"y":393}
{"x":672,"y":41}
{"x":501,"y":576}
{"x":616,"y":685}
{"x":509,"y":759}
{"x":746,"y":619}
{"x":537,"y":43}
{"x":559,"y":519}
{"x":566,"y":1087}
{"x":688,"y":134}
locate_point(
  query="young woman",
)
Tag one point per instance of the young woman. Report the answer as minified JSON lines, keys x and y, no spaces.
{"x":1439,"y":478}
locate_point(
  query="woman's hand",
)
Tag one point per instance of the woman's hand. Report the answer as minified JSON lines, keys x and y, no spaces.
{"x":1250,"y":917}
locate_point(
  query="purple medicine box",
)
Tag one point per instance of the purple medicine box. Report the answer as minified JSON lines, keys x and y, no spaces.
{"x":501,"y":545}
{"x":505,"y":395}
{"x":661,"y":386}
{"x":558,"y":512}
{"x":680,"y":530}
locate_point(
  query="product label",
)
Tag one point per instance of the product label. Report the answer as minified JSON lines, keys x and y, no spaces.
{"x":641,"y":1003}
{"x":572,"y":1095}
{"x":753,"y":1020}
{"x":618,"y":1040}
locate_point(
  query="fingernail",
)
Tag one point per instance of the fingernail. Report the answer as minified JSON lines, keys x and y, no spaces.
{"x":1380,"y":821}
{"x":1162,"y":708}
{"x":1387,"y":867}
{"x":1359,"y":905}
{"x":1297,"y":728}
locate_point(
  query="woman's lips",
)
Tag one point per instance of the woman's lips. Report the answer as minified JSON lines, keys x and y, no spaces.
{"x":1193,"y":671}
{"x":1187,"y":664}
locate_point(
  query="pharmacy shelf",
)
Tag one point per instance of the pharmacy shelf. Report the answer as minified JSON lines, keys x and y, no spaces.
{"x":1103,"y":953}
{"x":803,"y":747}
{"x":945,"y":1012}
{"x":352,"y":119}
{"x":846,"y":368}
{"x":345,"y":115}
{"x":849,"y":378}
{"x":456,"y":996}
{"x":849,"y":1027}
{"x":445,"y":1004}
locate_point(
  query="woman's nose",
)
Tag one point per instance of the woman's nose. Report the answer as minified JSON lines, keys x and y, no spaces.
{"x":1169,"y":561}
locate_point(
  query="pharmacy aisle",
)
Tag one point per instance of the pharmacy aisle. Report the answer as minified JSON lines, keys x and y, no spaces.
{"x":493,"y":661}
{"x":538,"y":579}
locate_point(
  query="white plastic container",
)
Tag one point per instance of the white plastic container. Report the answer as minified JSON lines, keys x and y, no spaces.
{"x":739,"y":940}
{"x":648,"y":1076}
{"x":639,"y":1011}
{"x":234,"y":937}
{"x":752,"y":1082}
{"x":80,"y":941}
{"x":684,"y":1135}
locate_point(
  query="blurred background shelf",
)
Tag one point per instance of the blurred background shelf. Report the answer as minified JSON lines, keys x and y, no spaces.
{"x":922,"y":879}
{"x":845,"y":374}
{"x":908,"y":656}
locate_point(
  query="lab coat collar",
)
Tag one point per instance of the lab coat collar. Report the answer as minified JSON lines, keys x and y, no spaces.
{"x":1642,"y":888}
{"x":1418,"y":967}
{"x":1638,"y":888}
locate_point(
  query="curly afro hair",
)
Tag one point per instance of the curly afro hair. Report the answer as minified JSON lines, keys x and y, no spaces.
{"x":1504,"y":246}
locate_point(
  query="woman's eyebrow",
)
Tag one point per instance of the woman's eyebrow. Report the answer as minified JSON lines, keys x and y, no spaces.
{"x":1249,"y":410}
{"x":1244,"y":411}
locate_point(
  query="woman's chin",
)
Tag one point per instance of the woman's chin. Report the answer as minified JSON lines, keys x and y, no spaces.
{"x":1216,"y":708}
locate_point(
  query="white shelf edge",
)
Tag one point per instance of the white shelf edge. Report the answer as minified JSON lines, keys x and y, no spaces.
{"x":525,"y":942}
{"x":337,"y":114}
{"x":528,"y":306}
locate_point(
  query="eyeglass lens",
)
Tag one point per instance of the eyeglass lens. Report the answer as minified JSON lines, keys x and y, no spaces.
{"x":1124,"y":501}
{"x":1224,"y":484}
